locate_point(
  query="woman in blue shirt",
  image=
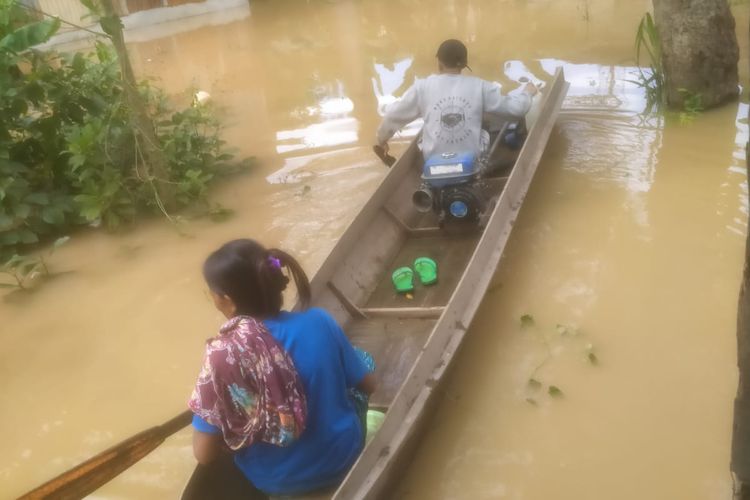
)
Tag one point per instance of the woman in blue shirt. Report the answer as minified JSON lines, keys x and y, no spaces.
{"x":247,"y":280}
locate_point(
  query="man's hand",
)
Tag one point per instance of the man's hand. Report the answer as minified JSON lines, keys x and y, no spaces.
{"x":531,"y":89}
{"x":382,"y":151}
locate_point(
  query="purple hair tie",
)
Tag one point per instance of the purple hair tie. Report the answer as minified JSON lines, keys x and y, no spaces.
{"x":276,"y":263}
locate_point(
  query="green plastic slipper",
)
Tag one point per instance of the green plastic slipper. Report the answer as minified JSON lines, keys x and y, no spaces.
{"x":426,"y":269}
{"x":403,"y":279}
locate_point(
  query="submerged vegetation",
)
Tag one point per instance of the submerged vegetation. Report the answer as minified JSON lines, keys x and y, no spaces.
{"x":69,"y":154}
{"x":563,"y":335}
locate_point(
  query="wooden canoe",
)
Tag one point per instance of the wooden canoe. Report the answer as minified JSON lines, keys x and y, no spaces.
{"x":414,"y":347}
{"x":414,"y":340}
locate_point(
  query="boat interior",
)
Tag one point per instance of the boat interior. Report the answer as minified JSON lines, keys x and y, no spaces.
{"x":391,"y":326}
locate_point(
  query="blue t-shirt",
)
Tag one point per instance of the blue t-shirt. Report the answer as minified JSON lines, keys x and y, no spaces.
{"x":333,"y":437}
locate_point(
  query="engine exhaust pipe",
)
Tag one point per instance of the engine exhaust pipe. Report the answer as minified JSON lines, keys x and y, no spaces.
{"x":422,"y":199}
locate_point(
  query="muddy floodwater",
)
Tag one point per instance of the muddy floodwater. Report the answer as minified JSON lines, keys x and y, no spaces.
{"x":625,"y":261}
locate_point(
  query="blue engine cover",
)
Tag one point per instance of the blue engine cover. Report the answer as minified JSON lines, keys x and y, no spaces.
{"x":449,"y":169}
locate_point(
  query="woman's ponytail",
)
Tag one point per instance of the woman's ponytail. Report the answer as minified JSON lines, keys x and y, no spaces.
{"x":282,"y":259}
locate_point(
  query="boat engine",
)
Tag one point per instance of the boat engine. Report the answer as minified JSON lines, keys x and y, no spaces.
{"x":450,"y":187}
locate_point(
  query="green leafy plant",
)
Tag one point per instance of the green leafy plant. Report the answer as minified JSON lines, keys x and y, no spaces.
{"x":68,"y":154}
{"x":653,"y":82}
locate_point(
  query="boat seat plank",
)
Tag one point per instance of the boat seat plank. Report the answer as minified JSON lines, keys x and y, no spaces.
{"x":451,"y":252}
{"x":394,"y":344}
{"x":402,"y":312}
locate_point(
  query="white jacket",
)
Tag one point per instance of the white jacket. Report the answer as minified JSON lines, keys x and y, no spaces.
{"x":452,"y":107}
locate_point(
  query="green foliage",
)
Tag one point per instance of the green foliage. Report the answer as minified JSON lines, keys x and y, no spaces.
{"x":68,"y":154}
{"x":24,"y":270}
{"x":554,"y":391}
{"x":564,"y":337}
{"x":647,"y":39}
{"x":25,"y":37}
{"x":692,"y":106}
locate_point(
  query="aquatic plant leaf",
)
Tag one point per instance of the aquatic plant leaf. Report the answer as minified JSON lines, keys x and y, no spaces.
{"x":527,"y":320}
{"x":532,"y":401}
{"x":593,"y":359}
{"x":554,"y":391}
{"x":534,"y":384}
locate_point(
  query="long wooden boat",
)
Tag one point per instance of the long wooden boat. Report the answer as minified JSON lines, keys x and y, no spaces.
{"x":414,"y":340}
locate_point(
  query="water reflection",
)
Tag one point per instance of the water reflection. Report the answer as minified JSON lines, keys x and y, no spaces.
{"x":335,"y":125}
{"x":388,"y":82}
{"x":333,"y":132}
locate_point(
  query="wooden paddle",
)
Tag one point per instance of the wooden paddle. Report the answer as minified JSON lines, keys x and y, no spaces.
{"x":102,"y":468}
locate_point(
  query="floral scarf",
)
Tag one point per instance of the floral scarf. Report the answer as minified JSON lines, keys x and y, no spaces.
{"x":249,"y":387}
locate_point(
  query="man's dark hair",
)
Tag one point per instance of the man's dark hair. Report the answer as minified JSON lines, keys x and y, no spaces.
{"x":453,"y":54}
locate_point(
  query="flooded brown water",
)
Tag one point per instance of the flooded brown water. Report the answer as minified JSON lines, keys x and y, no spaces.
{"x":631,"y":237}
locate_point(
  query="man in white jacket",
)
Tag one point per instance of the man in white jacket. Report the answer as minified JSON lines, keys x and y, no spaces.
{"x":452,"y":106}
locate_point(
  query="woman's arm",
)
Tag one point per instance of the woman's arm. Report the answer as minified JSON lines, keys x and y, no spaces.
{"x":206,"y":447}
{"x":368,"y":384}
{"x":357,"y":373}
